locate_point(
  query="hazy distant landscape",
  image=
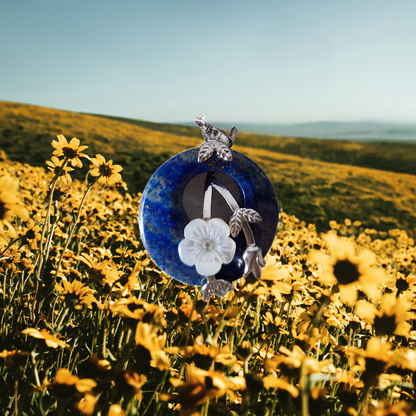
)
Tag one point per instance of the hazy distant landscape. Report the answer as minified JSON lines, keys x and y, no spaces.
{"x":355,"y":131}
{"x":334,"y":130}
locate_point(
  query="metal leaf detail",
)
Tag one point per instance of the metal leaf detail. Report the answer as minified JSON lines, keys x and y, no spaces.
{"x":233,"y":133}
{"x":240,"y":215}
{"x":236,"y":222}
{"x":250,"y":215}
{"x":217,"y":287}
{"x":223,"y":152}
{"x":254,"y":261}
{"x":205,"y":151}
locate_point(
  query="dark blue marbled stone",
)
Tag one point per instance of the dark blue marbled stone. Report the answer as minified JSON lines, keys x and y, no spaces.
{"x":162,"y":218}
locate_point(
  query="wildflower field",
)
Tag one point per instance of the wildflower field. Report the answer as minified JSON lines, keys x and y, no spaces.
{"x":90,"y":326}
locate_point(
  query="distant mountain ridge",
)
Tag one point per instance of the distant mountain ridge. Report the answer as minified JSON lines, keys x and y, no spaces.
{"x":356,"y":131}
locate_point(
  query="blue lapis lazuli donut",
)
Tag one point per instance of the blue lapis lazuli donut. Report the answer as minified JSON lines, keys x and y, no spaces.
{"x":162,"y":216}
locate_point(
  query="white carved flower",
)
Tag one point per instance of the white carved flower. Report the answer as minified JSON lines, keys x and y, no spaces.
{"x":207,"y":245}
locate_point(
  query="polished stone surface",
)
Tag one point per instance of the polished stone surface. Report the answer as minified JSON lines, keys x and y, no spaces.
{"x":162,"y":218}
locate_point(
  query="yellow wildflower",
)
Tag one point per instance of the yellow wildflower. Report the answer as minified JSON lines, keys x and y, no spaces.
{"x":391,"y":317}
{"x":271,"y":381}
{"x":55,"y":166}
{"x":71,"y":151}
{"x":374,"y":359}
{"x":204,"y":355}
{"x":108,"y":173}
{"x":86,"y":405}
{"x":348,"y":270}
{"x":50,"y":340}
{"x":116,"y":410}
{"x":9,"y":204}
{"x":65,"y":384}
{"x":32,"y":235}
{"x":276,"y":277}
{"x":12,"y":358}
{"x":133,"y":381}
{"x":147,"y":337}
{"x":139,"y":310}
{"x":289,"y":363}
{"x":104,"y":272}
{"x":402,"y":284}
{"x":76,"y":294}
{"x":202,"y":385}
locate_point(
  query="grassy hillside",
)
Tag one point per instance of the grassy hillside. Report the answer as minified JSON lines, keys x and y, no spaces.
{"x":325,"y":191}
{"x":385,"y":155}
{"x":311,"y":189}
{"x":391,"y":156}
{"x":26,"y":133}
{"x":176,"y":129}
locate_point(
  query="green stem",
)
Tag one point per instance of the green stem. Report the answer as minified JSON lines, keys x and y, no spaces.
{"x":239,"y":338}
{"x":28,"y":381}
{"x":188,"y":326}
{"x":48,"y":213}
{"x":52,"y":312}
{"x":10,"y":244}
{"x":159,"y":386}
{"x":126,"y":350}
{"x":36,"y":373}
{"x":4,"y":303}
{"x":273,"y":406}
{"x":71,"y":233}
{"x":364,"y":396}
{"x":40,"y":260}
{"x":50,"y":236}
{"x":316,"y":319}
{"x":220,"y":326}
{"x":204,"y":410}
{"x":187,"y":333}
{"x":61,"y":319}
{"x":106,"y":325}
{"x":304,"y":388}
{"x":9,"y":406}
{"x":96,"y":328}
{"x":162,"y":291}
{"x":16,"y":397}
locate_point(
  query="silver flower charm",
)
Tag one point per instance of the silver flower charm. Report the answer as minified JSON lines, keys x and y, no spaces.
{"x":254,"y":261}
{"x":216,"y":140}
{"x":217,"y":287}
{"x":207,"y":245}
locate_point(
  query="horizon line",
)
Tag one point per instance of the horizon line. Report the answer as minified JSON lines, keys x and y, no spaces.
{"x":264,"y":123}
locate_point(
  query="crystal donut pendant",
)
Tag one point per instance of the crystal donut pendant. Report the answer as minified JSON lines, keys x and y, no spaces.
{"x":209,"y":215}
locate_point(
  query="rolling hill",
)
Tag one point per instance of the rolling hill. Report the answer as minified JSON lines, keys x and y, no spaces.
{"x":393,"y":155}
{"x":311,"y":188}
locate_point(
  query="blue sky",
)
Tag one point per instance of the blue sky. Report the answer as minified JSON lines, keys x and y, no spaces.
{"x":235,"y":60}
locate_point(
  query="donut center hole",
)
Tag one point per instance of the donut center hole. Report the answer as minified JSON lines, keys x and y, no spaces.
{"x":193,"y":197}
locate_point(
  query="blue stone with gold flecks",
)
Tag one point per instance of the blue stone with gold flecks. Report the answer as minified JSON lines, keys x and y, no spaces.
{"x":163,"y":217}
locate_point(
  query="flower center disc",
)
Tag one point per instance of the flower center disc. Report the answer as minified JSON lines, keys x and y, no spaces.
{"x":208,"y":245}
